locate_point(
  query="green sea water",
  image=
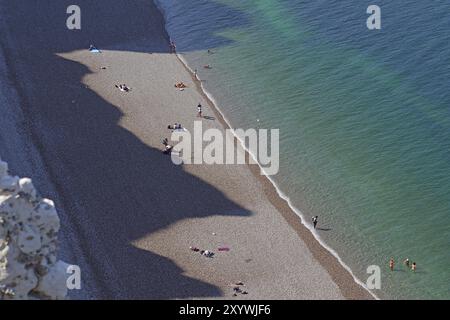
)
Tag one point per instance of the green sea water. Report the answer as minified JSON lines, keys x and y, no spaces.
{"x":364,"y":119}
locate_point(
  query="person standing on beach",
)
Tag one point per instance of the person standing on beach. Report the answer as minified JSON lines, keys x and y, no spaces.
{"x":314,"y":221}
{"x":391,"y":264}
{"x":199,"y":110}
{"x":173,"y":47}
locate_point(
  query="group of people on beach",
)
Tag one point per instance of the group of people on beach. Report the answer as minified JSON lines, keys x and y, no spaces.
{"x":237,"y":288}
{"x":168,"y":147}
{"x":177,"y":126}
{"x":181,"y":85}
{"x":206,"y":253}
{"x":123,"y":87}
{"x":406,"y":262}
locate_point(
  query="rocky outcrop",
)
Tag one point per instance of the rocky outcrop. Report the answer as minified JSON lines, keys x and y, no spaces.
{"x":29,"y":224}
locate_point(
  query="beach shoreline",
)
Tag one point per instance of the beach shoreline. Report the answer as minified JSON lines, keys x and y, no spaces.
{"x":349,"y":285}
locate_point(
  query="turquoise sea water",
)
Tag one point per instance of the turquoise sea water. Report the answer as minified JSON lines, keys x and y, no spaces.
{"x":364,"y":118}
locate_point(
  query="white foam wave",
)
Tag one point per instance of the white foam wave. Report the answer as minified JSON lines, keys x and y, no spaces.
{"x":280,"y":193}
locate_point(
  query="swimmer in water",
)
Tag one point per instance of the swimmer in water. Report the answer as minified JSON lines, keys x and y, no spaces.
{"x":406,"y":262}
{"x":391,"y":264}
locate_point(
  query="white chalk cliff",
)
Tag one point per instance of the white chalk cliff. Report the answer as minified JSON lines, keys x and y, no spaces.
{"x":28,"y":242}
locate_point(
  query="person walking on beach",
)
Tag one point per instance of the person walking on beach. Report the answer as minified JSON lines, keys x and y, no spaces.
{"x":391,"y":264}
{"x":199,"y":110}
{"x":314,"y":221}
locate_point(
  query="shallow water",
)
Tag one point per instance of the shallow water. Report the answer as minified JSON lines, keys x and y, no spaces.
{"x":364,"y":119}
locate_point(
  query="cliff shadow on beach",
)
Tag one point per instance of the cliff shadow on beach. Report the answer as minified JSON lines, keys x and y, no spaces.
{"x":111,"y":187}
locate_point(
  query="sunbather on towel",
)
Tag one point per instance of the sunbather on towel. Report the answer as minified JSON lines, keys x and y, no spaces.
{"x":123,"y":87}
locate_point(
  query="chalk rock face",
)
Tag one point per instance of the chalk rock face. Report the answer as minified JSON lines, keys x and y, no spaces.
{"x":29,"y":224}
{"x":51,"y":281}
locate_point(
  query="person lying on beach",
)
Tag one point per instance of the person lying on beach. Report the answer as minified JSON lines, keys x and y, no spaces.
{"x":180,"y":85}
{"x":238,"y":290}
{"x":167,"y":149}
{"x":176,"y":126}
{"x":207,"y":253}
{"x":123,"y":87}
